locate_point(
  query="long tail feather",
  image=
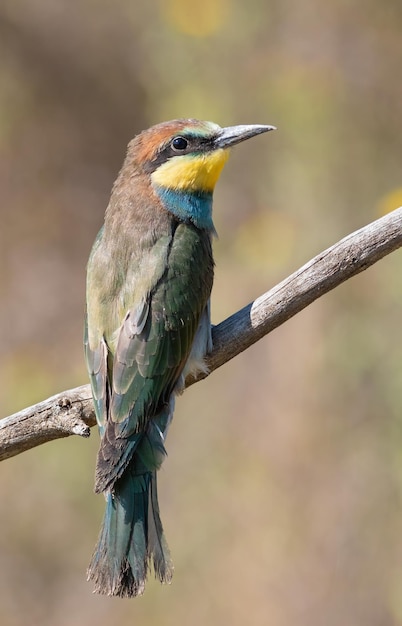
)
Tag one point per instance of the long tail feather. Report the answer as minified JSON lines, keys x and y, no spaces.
{"x":131,"y":539}
{"x":158,"y":549}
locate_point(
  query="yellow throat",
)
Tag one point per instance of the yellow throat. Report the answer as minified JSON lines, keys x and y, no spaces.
{"x":191,"y":173}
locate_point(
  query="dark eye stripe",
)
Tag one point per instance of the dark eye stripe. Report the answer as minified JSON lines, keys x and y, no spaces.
{"x":194,"y":144}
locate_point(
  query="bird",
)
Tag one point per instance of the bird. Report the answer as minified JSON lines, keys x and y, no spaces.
{"x":148,"y":327}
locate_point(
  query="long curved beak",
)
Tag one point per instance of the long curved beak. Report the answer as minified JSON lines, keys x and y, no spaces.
{"x":232,"y":135}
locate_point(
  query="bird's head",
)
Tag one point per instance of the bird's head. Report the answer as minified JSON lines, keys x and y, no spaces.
{"x":184,"y":159}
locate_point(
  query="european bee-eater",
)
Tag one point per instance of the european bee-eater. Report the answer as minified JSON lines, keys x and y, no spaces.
{"x":147,"y":327}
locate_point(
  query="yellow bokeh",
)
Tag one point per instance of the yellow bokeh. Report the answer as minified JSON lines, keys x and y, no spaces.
{"x":390,"y":201}
{"x":195,"y":18}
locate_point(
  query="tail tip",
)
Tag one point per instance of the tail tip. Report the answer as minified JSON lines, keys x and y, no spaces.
{"x":121,"y":586}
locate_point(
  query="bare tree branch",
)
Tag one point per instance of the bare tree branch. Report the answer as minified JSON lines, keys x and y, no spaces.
{"x":71,"y":412}
{"x":68,"y":413}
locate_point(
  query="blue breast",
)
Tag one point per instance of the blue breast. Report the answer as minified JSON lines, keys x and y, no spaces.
{"x":195,"y":207}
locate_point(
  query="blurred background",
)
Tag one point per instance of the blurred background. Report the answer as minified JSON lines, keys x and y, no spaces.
{"x":282,"y":493}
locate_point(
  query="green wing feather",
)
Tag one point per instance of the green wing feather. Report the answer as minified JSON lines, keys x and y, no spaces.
{"x":97,"y":368}
{"x":152,"y":348}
